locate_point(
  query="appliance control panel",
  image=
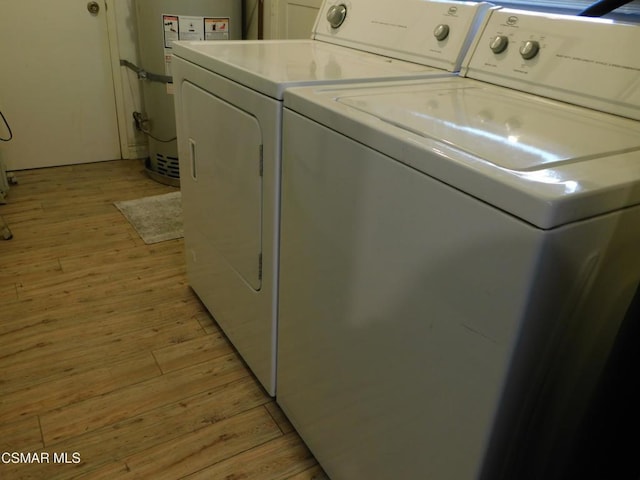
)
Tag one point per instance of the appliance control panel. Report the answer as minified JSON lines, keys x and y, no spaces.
{"x":436,"y":33}
{"x":590,"y":62}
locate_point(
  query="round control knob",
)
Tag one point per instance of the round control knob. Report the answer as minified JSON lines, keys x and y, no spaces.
{"x":336,"y":15}
{"x":529,"y":49}
{"x":499,"y":44}
{"x":441,"y":31}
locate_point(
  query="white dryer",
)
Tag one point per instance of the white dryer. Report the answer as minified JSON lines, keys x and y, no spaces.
{"x":457,"y":255}
{"x":228,"y":99}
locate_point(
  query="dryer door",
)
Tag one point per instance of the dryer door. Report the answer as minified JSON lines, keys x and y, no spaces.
{"x":225,"y":148}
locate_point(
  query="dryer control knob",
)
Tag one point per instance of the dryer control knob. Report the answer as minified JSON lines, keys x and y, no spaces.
{"x":499,"y":43}
{"x":441,"y":31}
{"x":336,"y":15}
{"x":529,"y":49}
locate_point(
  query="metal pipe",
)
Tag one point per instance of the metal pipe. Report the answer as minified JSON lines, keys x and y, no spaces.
{"x":144,"y":75}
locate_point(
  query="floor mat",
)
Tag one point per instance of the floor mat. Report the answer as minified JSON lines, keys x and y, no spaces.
{"x":156,"y":218}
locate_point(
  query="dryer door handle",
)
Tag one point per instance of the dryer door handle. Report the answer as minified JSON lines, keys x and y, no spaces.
{"x":192,"y":158}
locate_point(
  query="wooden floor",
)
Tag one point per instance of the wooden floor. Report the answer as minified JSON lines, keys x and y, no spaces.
{"x":108,"y":357}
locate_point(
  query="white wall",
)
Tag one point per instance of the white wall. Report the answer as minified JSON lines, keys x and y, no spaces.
{"x":121,"y":21}
{"x":281,"y":18}
{"x":57,"y":83}
{"x":295,"y":18}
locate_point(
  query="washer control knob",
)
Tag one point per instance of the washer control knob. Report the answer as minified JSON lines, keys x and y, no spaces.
{"x":441,"y":31}
{"x":336,"y":15}
{"x":499,"y":43}
{"x":529,"y":49}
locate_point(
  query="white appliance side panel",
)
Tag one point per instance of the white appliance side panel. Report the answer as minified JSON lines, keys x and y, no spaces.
{"x":247,"y":315}
{"x":403,"y":301}
{"x":587,"y":276}
{"x":392,"y":351}
{"x":225,"y":153}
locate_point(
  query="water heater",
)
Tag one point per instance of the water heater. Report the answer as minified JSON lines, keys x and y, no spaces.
{"x":160,"y":22}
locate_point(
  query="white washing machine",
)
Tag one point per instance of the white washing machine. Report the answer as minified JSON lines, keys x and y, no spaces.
{"x":457,"y":255}
{"x":229,"y":113}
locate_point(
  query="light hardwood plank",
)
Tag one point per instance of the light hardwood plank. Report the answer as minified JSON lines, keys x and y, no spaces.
{"x":106,"y":351}
{"x":313,"y":473}
{"x":21,"y":435}
{"x":8,"y":293}
{"x":48,"y":356}
{"x":208,"y":323}
{"x":103,"y":447}
{"x":11,"y":270}
{"x":212,"y":444}
{"x":62,"y":394}
{"x":38,"y":313}
{"x":275,"y":460}
{"x":196,"y":350}
{"x":279,"y":417}
{"x":115,"y":405}
{"x":114,"y":260}
{"x":64,"y":282}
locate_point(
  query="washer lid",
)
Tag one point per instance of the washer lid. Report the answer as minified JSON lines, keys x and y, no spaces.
{"x":508,"y":129}
{"x":544,"y":161}
{"x":271,"y":66}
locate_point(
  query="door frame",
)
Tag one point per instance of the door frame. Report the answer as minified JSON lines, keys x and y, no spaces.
{"x":282,"y":22}
{"x":132,"y":145}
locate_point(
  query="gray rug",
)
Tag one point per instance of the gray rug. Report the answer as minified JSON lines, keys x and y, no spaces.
{"x":156,"y":218}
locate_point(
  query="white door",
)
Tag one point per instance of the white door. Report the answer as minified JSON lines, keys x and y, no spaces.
{"x":56,"y":84}
{"x":224,"y":186}
{"x":296,"y":18}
